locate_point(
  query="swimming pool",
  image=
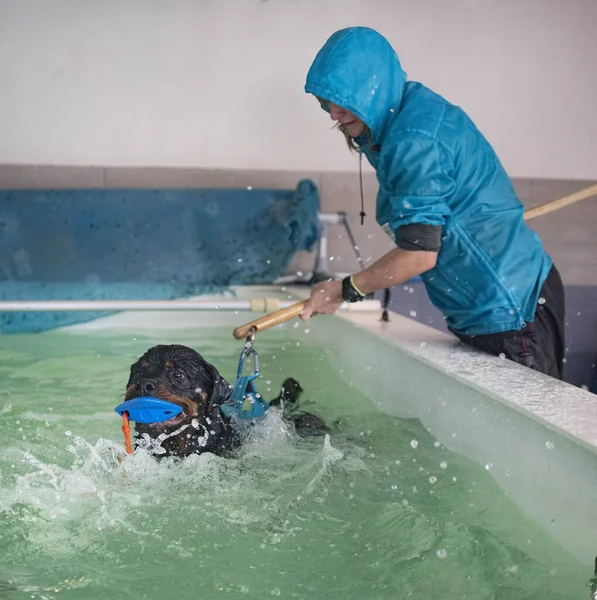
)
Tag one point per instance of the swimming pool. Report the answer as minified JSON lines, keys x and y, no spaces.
{"x":446,"y":474}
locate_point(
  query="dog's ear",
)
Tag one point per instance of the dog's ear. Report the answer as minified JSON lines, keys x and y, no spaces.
{"x":131,"y":370}
{"x":221,"y":389}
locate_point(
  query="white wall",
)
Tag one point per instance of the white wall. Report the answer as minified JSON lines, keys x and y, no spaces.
{"x":219,"y":83}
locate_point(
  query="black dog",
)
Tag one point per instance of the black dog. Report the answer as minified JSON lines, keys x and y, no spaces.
{"x":180,"y":375}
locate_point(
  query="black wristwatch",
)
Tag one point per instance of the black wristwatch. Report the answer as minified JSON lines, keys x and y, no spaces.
{"x":350,"y":293}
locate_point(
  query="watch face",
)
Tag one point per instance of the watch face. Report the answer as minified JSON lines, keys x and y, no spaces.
{"x":349,"y":294}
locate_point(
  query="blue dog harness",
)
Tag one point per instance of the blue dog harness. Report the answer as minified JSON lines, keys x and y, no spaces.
{"x":246,"y":403}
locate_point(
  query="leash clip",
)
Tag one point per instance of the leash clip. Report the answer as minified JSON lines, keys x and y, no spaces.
{"x":250,"y":339}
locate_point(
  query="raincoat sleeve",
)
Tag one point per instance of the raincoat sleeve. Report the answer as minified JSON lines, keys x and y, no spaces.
{"x":417,"y":181}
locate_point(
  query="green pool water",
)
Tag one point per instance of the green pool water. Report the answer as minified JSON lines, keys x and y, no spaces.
{"x":378,"y":510}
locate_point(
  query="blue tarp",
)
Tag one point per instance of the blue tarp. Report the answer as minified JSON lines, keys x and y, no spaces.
{"x":145,"y":244}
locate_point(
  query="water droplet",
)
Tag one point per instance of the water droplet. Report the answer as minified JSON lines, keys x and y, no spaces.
{"x":541,"y":301}
{"x":394,"y":487}
{"x":502,"y":355}
{"x":413,"y":313}
{"x":549,"y":445}
{"x":414,"y":444}
{"x":443,"y":465}
{"x":240,"y":260}
{"x":442,"y":553}
{"x":432,"y":479}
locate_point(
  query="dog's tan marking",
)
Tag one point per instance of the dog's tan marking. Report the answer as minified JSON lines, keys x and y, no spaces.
{"x":191,"y":407}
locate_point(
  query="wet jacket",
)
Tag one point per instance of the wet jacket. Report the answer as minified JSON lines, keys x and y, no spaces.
{"x":435,"y":167}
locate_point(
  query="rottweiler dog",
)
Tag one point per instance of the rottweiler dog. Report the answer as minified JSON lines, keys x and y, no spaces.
{"x":180,"y":375}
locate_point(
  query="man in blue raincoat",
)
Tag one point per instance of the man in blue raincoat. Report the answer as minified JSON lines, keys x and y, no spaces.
{"x":446,"y":201}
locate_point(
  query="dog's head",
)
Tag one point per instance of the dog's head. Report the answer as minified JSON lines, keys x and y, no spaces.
{"x":180,"y":375}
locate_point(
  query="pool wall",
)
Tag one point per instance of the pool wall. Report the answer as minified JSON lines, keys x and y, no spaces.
{"x":135,"y":244}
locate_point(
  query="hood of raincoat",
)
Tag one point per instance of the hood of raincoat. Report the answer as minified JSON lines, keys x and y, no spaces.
{"x":358,"y":69}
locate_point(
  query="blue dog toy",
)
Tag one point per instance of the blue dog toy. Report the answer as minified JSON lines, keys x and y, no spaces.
{"x":148,"y":410}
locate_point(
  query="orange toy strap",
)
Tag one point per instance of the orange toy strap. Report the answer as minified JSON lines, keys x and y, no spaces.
{"x":126,"y":429}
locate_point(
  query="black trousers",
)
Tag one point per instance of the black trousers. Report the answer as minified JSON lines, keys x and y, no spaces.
{"x":540,"y":345}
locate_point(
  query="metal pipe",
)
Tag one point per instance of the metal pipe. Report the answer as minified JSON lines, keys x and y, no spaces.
{"x":254,"y":305}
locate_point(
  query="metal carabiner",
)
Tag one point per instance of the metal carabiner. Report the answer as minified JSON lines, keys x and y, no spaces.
{"x":248,"y":349}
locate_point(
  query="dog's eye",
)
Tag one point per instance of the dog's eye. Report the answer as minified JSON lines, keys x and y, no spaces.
{"x":179,"y":375}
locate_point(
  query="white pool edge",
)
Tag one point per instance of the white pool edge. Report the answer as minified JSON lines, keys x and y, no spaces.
{"x":568,"y":410}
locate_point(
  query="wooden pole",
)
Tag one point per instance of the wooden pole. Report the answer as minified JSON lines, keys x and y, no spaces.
{"x":548,"y":207}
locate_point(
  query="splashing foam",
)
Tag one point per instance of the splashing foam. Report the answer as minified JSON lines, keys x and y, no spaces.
{"x":104,"y":490}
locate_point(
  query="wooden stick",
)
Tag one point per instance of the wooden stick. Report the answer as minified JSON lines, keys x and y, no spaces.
{"x":270,"y":320}
{"x":544,"y":209}
{"x":294,"y":310}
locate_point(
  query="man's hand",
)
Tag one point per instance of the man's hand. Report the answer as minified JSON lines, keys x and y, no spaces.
{"x":326,"y":297}
{"x":395,"y":267}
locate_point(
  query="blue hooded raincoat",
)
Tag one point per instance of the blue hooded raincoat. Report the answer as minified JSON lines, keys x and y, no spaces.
{"x":435,"y":167}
